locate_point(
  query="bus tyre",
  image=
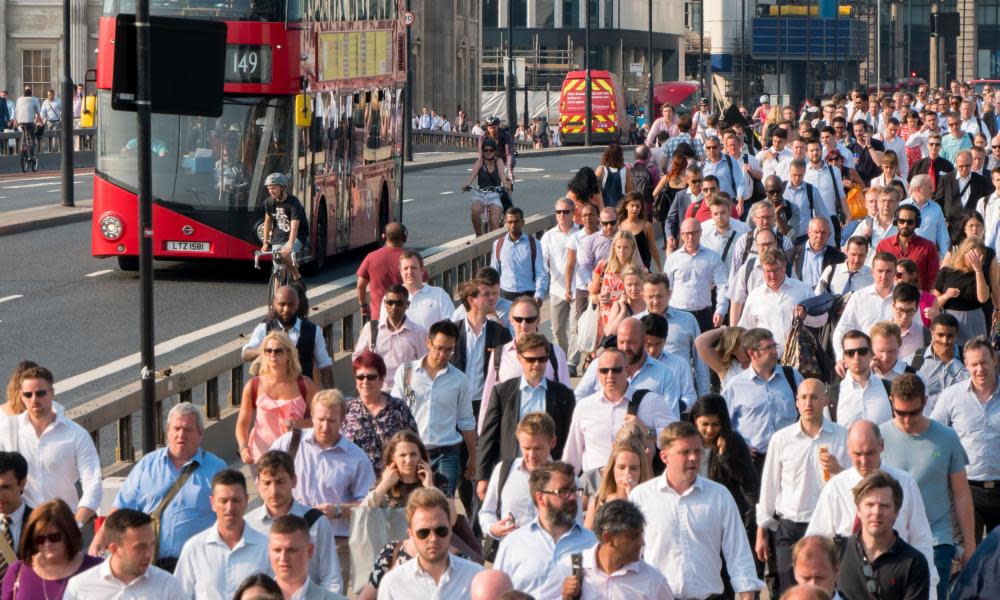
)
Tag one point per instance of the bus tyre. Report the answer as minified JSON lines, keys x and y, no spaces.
{"x":128,"y":263}
{"x":319,"y":255}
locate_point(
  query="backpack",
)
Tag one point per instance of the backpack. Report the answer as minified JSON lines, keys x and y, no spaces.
{"x":490,"y":544}
{"x":612,"y":187}
{"x":534,"y":251}
{"x":642,"y":183}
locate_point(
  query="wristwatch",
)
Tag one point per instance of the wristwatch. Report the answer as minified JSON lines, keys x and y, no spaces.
{"x":338,"y":512}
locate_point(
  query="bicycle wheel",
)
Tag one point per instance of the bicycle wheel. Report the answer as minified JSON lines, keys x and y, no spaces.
{"x":34,"y":163}
{"x":273,"y":283}
{"x":24,"y":163}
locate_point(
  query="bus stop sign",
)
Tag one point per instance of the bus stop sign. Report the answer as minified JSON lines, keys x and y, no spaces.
{"x":181,"y":50}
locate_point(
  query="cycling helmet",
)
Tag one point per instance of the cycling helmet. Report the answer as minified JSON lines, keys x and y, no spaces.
{"x":493,"y":121}
{"x":276,"y":179}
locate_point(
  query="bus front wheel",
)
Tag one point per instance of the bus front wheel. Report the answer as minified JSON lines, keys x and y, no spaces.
{"x":128,"y":263}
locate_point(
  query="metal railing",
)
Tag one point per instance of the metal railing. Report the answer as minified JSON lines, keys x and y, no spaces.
{"x":452,"y":139}
{"x":49,"y":142}
{"x":216,"y":378}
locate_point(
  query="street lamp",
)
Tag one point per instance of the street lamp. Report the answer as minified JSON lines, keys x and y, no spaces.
{"x":67,"y":112}
{"x":650,"y":99}
{"x":586,"y":65}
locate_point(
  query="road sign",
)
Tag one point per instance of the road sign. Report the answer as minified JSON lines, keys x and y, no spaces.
{"x":636,"y":68}
{"x":408,"y":18}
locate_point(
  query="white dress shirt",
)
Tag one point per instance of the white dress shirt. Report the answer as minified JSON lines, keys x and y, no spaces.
{"x":529,"y":555}
{"x":340,"y":474}
{"x":977,"y":425}
{"x":863,"y":402}
{"x":989,"y":207}
{"x":61,"y":456}
{"x":475,"y":356}
{"x":865,"y":308}
{"x":98,"y":583}
{"x":653,"y":375}
{"x":635,"y":581}
{"x":324,"y":566}
{"x":681,"y":373}
{"x":843,"y":282}
{"x":595,"y":422}
{"x":775,"y":163}
{"x":687,"y":535}
{"x":897,"y":145}
{"x":793,"y":476}
{"x":428,"y":305}
{"x":209,"y":570}
{"x":692,"y":277}
{"x":712,"y":239}
{"x":439,"y":405}
{"x":408,"y":581}
{"x":835,"y":511}
{"x":748,"y":277}
{"x":555,"y":243}
{"x":774,"y":310}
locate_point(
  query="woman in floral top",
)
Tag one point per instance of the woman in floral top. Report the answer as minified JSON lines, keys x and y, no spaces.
{"x":608,"y":285}
{"x":374,"y":416}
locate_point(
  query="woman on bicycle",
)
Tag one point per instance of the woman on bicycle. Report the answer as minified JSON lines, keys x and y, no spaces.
{"x":489,"y":171}
{"x":504,"y":143}
{"x":274,"y":401}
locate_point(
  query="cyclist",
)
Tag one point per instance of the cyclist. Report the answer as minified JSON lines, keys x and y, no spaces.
{"x":503,"y":141}
{"x":489,"y":171}
{"x":286,"y":214}
{"x":28,"y":115}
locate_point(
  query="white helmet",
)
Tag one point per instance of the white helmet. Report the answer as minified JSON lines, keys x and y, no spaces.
{"x":276,"y":179}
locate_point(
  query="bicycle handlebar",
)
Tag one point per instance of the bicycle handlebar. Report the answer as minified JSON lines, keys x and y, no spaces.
{"x":257,"y":255}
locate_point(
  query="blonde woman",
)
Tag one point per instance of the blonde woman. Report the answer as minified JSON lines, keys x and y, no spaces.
{"x":723,"y":352}
{"x":627,"y":467}
{"x":962,"y":287}
{"x":632,"y":218}
{"x":274,"y":401}
{"x":608,"y":285}
{"x":631,"y":301}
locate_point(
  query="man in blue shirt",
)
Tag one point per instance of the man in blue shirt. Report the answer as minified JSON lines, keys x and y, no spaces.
{"x":519,"y":260}
{"x":153,"y":477}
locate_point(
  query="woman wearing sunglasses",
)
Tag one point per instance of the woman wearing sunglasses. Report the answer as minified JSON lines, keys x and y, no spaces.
{"x":275,"y":400}
{"x":51,"y":551}
{"x":373,"y":417}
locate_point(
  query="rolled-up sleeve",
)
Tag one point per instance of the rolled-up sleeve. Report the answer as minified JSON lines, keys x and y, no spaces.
{"x":89,"y":465}
{"x":320,"y":356}
{"x":466,"y":418}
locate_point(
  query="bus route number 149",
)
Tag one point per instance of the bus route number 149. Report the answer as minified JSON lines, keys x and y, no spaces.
{"x":247,"y":63}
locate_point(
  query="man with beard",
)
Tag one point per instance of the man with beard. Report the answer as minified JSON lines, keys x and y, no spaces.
{"x":530,"y":552}
{"x":907,"y":244}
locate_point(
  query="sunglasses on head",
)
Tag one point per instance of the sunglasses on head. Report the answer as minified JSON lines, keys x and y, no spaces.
{"x":852,"y":352}
{"x":441,"y":531}
{"x":36,"y":394}
{"x":606,"y":370}
{"x":524,"y":319}
{"x":366,"y":376}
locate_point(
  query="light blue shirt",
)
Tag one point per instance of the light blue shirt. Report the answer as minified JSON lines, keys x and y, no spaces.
{"x":759,"y":407}
{"x":515,"y":265}
{"x":532,"y":398}
{"x":529,"y":554}
{"x":681,"y":332}
{"x":950,"y":145}
{"x":812,"y":265}
{"x":209,"y":570}
{"x":799,"y":197}
{"x":932,"y":224}
{"x":939,"y":375}
{"x":653,"y":376}
{"x":475,"y":354}
{"x":977,"y":425}
{"x":439,"y":405}
{"x":189,"y":513}
{"x":730,"y":181}
{"x":681,"y":373}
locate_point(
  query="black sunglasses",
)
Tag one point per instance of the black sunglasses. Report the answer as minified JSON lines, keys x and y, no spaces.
{"x":852,"y":352}
{"x":441,"y":531}
{"x":52,"y":538}
{"x":274,"y":350}
{"x":395,"y":302}
{"x":524,"y":319}
{"x":563,"y":212}
{"x":609,"y":223}
{"x":366,"y":376}
{"x":606,"y":370}
{"x":907,"y":413}
{"x":906,"y":221}
{"x":534,"y":360}
{"x":36,"y":394}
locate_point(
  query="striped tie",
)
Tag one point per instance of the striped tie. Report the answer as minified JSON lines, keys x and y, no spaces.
{"x":9,"y":536}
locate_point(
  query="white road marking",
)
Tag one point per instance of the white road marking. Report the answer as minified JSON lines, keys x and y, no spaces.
{"x":518,"y":180}
{"x":40,"y":184}
{"x":14,"y":297}
{"x":546,"y":176}
{"x":446,"y":193}
{"x":99,"y":273}
{"x":29,"y":185}
{"x":409,"y":200}
{"x":52,"y":191}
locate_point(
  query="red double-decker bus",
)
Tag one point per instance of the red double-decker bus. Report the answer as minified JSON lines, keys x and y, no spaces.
{"x":314,"y":89}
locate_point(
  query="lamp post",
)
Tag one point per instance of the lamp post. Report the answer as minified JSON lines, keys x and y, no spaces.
{"x":586,"y":65}
{"x":408,"y":110}
{"x":649,"y":42}
{"x":67,"y":112}
{"x":511,"y":101}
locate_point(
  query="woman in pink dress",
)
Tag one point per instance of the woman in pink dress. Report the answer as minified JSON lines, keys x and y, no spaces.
{"x":608,"y":285}
{"x":274,"y":401}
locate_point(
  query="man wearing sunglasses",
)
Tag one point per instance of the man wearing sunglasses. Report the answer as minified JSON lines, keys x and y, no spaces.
{"x":555,"y":245}
{"x":433,"y":572}
{"x":993,"y":161}
{"x":877,"y":563}
{"x":396,"y":338}
{"x":907,"y":244}
{"x":59,"y":452}
{"x":933,"y":225}
{"x":868,"y":305}
{"x":933,"y":454}
{"x":599,"y":416}
{"x":861,"y":395}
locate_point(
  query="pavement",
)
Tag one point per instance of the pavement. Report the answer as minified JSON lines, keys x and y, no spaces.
{"x":79,"y":314}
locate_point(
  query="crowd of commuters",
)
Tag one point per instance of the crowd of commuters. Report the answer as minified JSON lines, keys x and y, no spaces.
{"x":766,"y":369}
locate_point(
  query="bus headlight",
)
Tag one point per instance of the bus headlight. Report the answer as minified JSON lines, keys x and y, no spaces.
{"x":111,"y":227}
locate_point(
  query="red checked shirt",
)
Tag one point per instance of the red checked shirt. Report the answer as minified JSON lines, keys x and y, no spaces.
{"x":921,"y":251}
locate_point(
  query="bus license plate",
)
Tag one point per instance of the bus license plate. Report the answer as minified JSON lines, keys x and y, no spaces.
{"x":189,"y":247}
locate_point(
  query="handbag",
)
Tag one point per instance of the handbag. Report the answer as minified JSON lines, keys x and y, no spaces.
{"x":802,"y":351}
{"x":586,"y":331}
{"x":371,"y":529}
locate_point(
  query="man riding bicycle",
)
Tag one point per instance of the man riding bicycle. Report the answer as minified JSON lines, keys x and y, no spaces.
{"x":286,"y":213}
{"x":28,"y":116}
{"x":489,"y":172}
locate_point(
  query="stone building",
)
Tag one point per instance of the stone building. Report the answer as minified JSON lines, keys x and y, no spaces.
{"x":446,"y":48}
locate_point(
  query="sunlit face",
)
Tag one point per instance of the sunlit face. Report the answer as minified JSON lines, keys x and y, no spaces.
{"x":183,"y":436}
{"x":627,"y":468}
{"x":857,"y":355}
{"x":819,"y":234}
{"x":720,"y":216}
{"x":588,"y":216}
{"x":406,"y":457}
{"x":886,"y":350}
{"x":943,"y":338}
{"x":290,"y":554}
{"x":229,"y":503}
{"x":326,"y":421}
{"x":656,"y":297}
{"x":412,"y":271}
{"x":883,"y":273}
{"x":982,"y":367}
{"x":535,"y":449}
{"x":797,"y":174}
{"x":427,"y":522}
{"x":275,"y":489}
{"x":623,"y":249}
{"x":877,"y":512}
{"x":973,"y":228}
{"x":856,"y":254}
{"x":633,"y":286}
{"x":683,"y":459}
{"x":903,"y":313}
{"x":763,"y":216}
{"x":524,"y":319}
{"x":814,"y":568}
{"x":611,"y":373}
{"x":774,"y":275}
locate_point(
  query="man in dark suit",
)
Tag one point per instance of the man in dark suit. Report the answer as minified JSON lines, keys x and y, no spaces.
{"x":806,"y":261}
{"x":13,"y":511}
{"x":942,"y":166}
{"x":959,"y":191}
{"x":514,"y":398}
{"x":477,"y":335}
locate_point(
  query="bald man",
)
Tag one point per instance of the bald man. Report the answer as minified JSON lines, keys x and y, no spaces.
{"x":816,"y":562}
{"x":835,"y":511}
{"x":805,"y":592}
{"x":489,"y":584}
{"x":800,"y":459}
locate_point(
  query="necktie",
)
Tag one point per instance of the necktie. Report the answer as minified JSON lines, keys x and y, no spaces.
{"x":847,"y":286}
{"x":9,"y":536}
{"x":933,"y":173}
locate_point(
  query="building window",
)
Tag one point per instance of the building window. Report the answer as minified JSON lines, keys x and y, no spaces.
{"x":520,"y":10}
{"x":571,"y":14}
{"x":490,"y":14}
{"x":609,"y":14}
{"x":36,"y":70}
{"x":545,"y":13}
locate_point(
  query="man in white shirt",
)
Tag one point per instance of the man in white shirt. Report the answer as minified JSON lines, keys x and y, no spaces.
{"x":800,"y":459}
{"x":128,"y":572}
{"x":275,"y":482}
{"x":835,"y":512}
{"x":905,"y":304}
{"x":815,"y":561}
{"x":775,"y":159}
{"x":774,"y":305}
{"x":13,"y":510}
{"x":726,"y":169}
{"x":693,"y":272}
{"x":433,"y":572}
{"x":598,"y":417}
{"x":59,"y":452}
{"x":721,"y":232}
{"x":870,"y":304}
{"x":861,"y":395}
{"x":971,"y":123}
{"x":555,"y":243}
{"x":989,"y":207}
{"x":214,"y":563}
{"x":886,"y":342}
{"x":530,"y":552}
{"x":428,"y":304}
{"x":828,"y":182}
{"x":683,"y":327}
{"x":290,"y":550}
{"x":749,"y":276}
{"x":614,"y":567}
{"x":843,"y":279}
{"x":693,"y":522}
{"x":424,"y":121}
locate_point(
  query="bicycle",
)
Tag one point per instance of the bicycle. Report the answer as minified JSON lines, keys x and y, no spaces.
{"x":496,"y":196}
{"x":280,"y":275}
{"x":29,"y":156}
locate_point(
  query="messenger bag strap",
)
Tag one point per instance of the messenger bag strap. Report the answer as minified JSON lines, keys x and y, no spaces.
{"x":175,"y":489}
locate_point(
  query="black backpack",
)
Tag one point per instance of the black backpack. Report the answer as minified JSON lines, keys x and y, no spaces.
{"x":612,"y":187}
{"x":642,"y":183}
